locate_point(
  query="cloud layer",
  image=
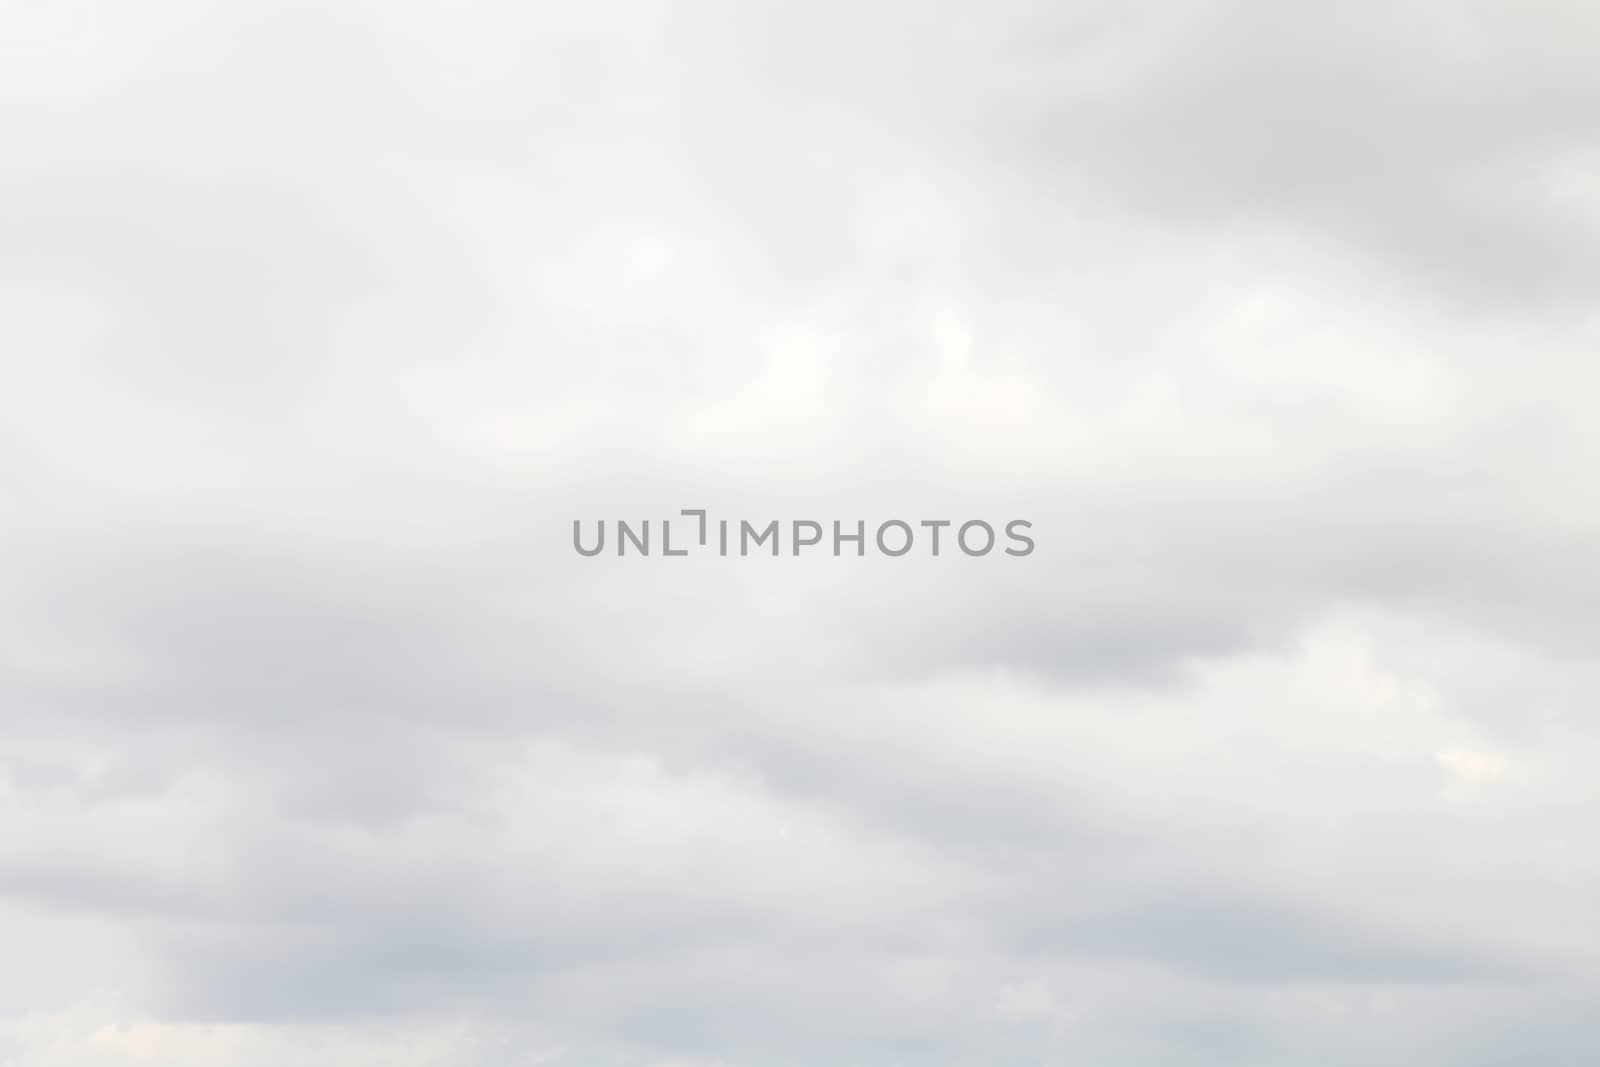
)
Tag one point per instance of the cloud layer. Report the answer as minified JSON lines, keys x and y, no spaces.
{"x":319,"y":744}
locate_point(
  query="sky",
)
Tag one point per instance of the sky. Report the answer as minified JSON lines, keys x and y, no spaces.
{"x":320,"y":325}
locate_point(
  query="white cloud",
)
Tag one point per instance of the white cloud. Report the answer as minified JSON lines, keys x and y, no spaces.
{"x":320,"y":326}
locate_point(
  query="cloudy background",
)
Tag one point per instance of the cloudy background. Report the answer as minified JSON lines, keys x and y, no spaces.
{"x":320,"y":323}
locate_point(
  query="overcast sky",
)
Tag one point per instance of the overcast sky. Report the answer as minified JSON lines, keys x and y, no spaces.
{"x":321,"y":323}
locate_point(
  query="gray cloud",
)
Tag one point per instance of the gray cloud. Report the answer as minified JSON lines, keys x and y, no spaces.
{"x":319,"y":744}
